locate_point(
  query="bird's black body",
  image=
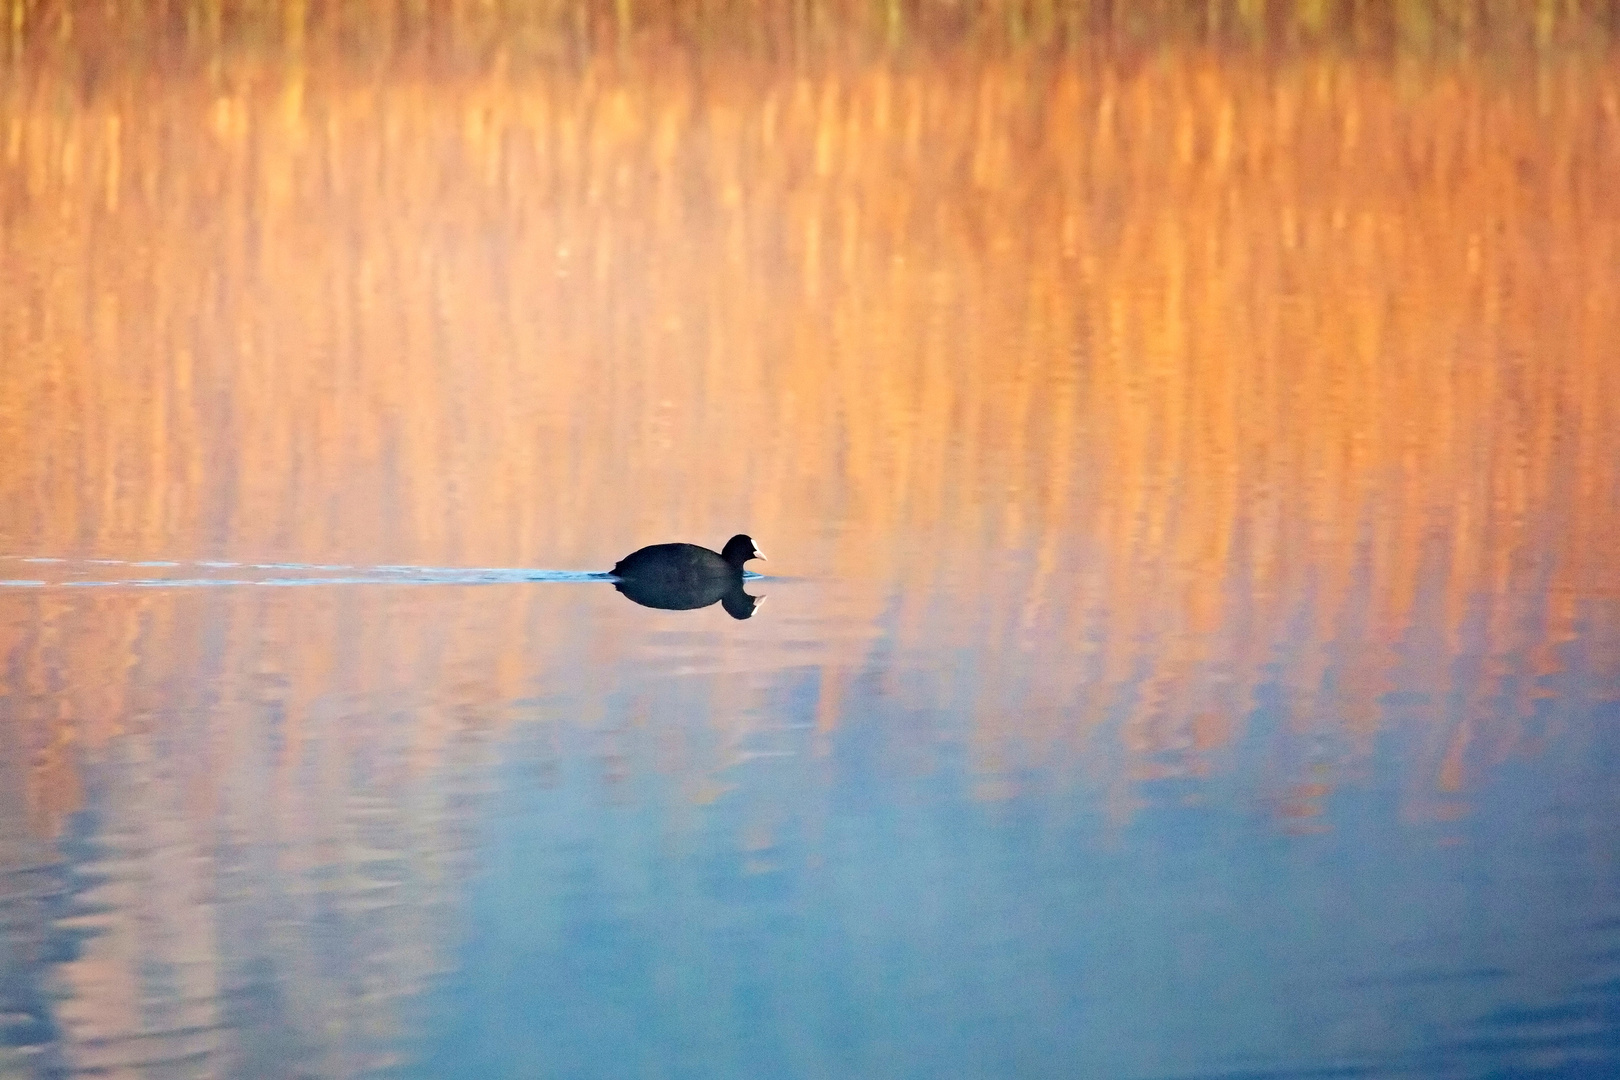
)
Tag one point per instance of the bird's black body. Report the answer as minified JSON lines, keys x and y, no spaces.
{"x":688,"y":562}
{"x":678,"y":577}
{"x":675,"y":562}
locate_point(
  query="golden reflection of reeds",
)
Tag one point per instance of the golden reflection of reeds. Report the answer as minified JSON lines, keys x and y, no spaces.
{"x":521,"y":33}
{"x":1243,"y":356}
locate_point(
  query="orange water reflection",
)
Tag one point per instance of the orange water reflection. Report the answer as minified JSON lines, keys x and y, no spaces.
{"x":1174,"y":365}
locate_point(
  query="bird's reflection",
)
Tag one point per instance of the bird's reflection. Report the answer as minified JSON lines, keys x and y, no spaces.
{"x":679,"y":595}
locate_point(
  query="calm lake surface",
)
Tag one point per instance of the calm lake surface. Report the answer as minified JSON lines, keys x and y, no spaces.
{"x":1187,"y":447}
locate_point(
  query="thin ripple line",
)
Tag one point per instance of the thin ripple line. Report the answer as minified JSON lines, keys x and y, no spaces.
{"x":474,"y":577}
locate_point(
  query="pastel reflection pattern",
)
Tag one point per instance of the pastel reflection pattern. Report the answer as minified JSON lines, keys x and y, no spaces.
{"x":1188,"y":444}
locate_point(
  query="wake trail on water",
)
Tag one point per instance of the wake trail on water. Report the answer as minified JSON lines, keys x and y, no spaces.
{"x":71,"y":574}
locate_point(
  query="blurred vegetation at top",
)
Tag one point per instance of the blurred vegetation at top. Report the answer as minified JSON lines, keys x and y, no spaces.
{"x":512,"y":35}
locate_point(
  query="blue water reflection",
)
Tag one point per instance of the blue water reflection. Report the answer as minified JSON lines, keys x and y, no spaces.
{"x":829,"y":913}
{"x":671,"y":859}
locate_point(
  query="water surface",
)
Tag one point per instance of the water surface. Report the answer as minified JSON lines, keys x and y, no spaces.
{"x":1189,"y":457}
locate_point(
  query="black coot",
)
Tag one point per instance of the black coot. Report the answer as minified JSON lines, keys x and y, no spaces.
{"x":688,"y":562}
{"x":678,"y":577}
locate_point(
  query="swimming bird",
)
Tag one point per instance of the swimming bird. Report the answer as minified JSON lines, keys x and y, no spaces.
{"x":688,"y":562}
{"x":679,"y":577}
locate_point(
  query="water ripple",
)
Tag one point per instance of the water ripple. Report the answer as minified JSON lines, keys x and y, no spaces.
{"x":309,"y":574}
